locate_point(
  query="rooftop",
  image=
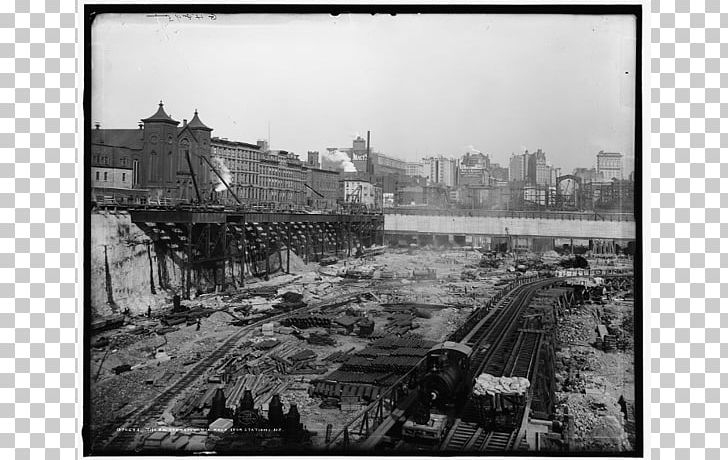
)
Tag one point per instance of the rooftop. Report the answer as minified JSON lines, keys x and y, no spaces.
{"x":161,"y":116}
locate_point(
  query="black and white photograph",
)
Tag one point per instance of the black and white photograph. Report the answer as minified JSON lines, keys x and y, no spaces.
{"x":361,"y":231}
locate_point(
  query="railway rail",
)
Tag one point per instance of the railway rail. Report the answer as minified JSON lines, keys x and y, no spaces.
{"x":505,"y":352}
{"x":115,"y":437}
{"x":477,"y":330}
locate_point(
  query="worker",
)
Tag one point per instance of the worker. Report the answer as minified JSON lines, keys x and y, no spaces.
{"x":198,"y":323}
{"x":149,"y":311}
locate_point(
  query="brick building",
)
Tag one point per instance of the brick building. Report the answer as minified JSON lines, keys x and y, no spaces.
{"x":152,"y":163}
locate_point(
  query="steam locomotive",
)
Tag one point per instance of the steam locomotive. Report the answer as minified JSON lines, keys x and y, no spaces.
{"x":447,"y":377}
{"x":446,"y":380}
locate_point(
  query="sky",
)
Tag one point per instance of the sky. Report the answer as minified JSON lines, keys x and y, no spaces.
{"x":422,"y":84}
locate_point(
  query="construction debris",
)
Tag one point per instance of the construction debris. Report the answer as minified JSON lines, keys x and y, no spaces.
{"x":487,"y":384}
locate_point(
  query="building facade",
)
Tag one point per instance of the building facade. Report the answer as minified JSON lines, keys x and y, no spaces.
{"x":517,"y":168}
{"x":115,"y":164}
{"x":441,"y":170}
{"x":244,"y":163}
{"x":539,"y":171}
{"x":415,"y":169}
{"x":282,"y":177}
{"x":153,"y":163}
{"x":609,"y":165}
{"x":364,"y":193}
{"x":322,"y":188}
{"x":163,"y":162}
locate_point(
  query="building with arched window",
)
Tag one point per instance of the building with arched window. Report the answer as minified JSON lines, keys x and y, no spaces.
{"x":152,"y":163}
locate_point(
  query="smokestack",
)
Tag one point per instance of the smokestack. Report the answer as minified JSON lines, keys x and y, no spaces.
{"x":369,"y":160}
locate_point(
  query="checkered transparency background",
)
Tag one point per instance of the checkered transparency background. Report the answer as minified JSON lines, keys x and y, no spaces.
{"x":39,"y":224}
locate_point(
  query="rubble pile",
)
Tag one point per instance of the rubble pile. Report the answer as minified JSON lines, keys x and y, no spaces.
{"x":591,"y":376}
{"x":576,"y":329}
{"x":598,"y":422}
{"x":487,"y":384}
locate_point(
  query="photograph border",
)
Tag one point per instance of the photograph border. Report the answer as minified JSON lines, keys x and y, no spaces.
{"x":90,"y":11}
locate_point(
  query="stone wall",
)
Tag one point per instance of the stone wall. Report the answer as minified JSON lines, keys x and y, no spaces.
{"x":127,"y":268}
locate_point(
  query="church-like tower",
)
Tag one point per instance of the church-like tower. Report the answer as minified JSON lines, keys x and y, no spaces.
{"x":159,"y":154}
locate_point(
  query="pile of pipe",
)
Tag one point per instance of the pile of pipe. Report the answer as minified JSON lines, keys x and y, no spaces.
{"x":487,"y":384}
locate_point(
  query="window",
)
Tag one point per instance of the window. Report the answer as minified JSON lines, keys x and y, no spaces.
{"x":123,"y":177}
{"x":97,"y":175}
{"x":106,"y":176}
{"x":135,"y":172}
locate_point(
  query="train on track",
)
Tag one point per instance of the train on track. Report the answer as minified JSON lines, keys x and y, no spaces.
{"x":445,"y":382}
{"x":447,"y":376}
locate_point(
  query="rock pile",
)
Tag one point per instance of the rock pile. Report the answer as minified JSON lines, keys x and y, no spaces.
{"x":490,"y":384}
{"x":576,"y":329}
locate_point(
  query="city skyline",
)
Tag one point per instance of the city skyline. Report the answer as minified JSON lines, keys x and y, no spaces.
{"x":365,"y":73}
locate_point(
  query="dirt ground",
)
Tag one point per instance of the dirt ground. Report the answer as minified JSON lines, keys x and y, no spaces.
{"x":446,"y":300}
{"x":591,"y":380}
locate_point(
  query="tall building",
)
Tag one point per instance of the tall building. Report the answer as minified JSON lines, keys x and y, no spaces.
{"x":517,"y":168}
{"x":441,"y":170}
{"x":474,"y":160}
{"x":539,"y":170}
{"x":415,"y":169}
{"x":609,"y":165}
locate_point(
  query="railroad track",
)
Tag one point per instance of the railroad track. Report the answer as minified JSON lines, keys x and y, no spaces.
{"x":115,"y":437}
{"x":486,"y":338}
{"x":473,"y":331}
{"x":500,"y":351}
{"x":497,"y":339}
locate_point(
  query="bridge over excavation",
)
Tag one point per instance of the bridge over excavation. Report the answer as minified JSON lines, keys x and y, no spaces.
{"x":533,"y":230}
{"x":224,"y":246}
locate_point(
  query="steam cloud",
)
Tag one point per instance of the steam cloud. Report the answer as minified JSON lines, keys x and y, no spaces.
{"x":338,"y":160}
{"x":472,"y":149}
{"x":224,"y":171}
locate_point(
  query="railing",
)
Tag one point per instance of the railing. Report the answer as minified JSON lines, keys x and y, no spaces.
{"x":562,"y":215}
{"x":165,"y":205}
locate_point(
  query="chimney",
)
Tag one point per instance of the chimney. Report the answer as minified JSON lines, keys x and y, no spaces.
{"x":184,"y":122}
{"x":97,"y":125}
{"x":141,"y":125}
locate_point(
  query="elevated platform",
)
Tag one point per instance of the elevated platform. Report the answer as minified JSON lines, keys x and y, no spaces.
{"x":199,"y":216}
